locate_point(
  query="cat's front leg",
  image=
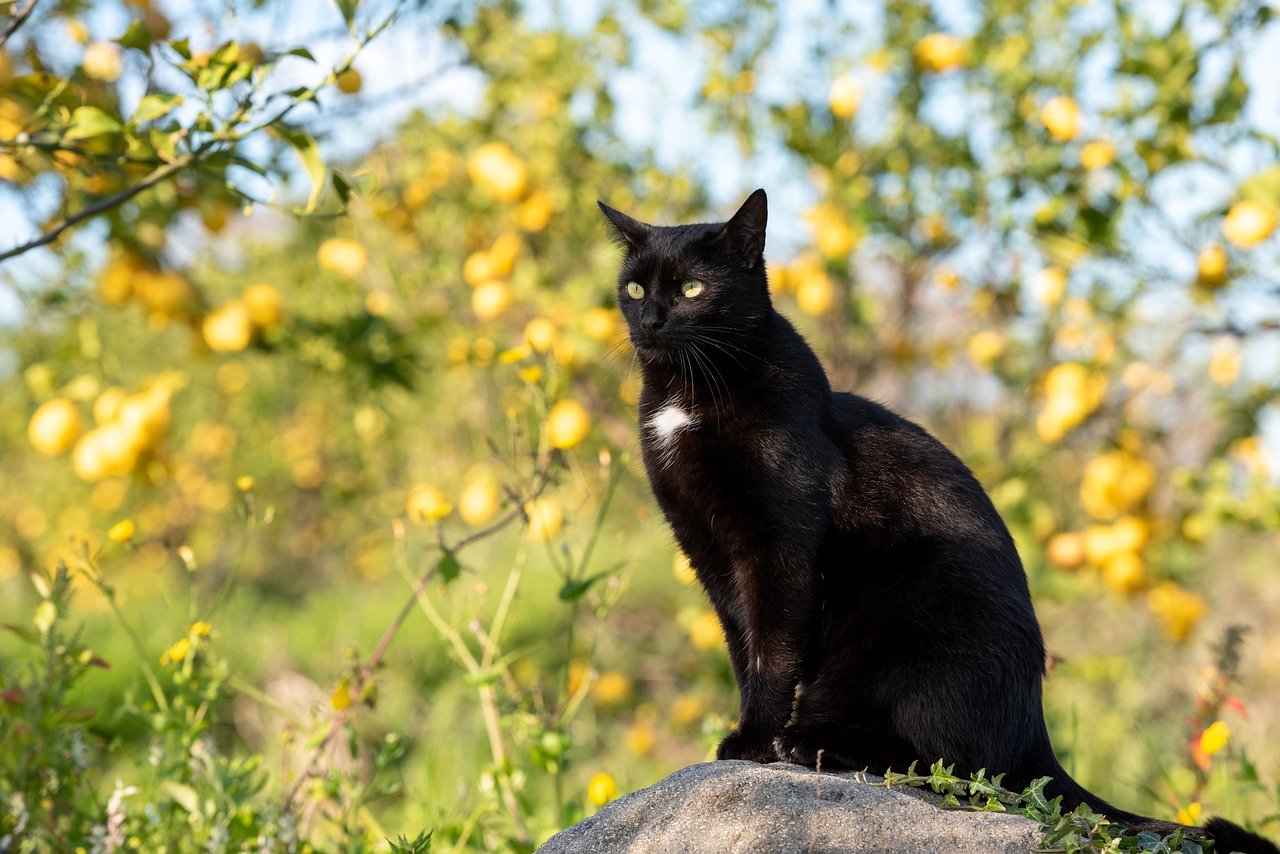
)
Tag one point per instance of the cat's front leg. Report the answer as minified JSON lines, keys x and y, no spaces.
{"x":773,"y":629}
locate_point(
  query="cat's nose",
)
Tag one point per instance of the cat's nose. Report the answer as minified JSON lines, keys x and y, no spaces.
{"x":652,"y":321}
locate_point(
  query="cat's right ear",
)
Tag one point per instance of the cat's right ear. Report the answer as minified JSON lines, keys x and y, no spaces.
{"x":624,"y":230}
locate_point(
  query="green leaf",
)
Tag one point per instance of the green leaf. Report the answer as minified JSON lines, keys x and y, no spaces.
{"x":28,"y":635}
{"x":302,"y":52}
{"x":182,"y":795}
{"x":88,"y":122}
{"x":1265,"y":185}
{"x":348,"y":10}
{"x":182,"y":47}
{"x":342,"y":187}
{"x":154,"y":106}
{"x":165,"y":144}
{"x":137,"y":36}
{"x":448,"y":567}
{"x":309,"y":153}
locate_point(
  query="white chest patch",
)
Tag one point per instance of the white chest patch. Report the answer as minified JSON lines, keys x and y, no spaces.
{"x":668,"y":421}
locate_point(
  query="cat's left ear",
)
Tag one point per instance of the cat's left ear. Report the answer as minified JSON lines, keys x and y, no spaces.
{"x":744,"y":232}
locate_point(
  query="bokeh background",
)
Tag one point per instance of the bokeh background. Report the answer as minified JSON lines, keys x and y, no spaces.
{"x":312,"y":383}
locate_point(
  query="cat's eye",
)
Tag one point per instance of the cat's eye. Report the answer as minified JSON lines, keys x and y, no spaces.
{"x":692,"y":288}
{"x":635,"y":290}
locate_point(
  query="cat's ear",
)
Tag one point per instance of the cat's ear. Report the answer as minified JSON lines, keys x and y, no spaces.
{"x":744,"y":232}
{"x":623,"y":229}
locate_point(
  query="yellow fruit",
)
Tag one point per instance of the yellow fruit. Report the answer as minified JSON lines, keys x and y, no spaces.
{"x":503,"y":253}
{"x":118,"y":448}
{"x":815,"y":294}
{"x":682,"y":568}
{"x":601,"y":789}
{"x":1066,"y":551}
{"x":496,"y":169}
{"x":116,"y":282}
{"x":534,"y":212}
{"x":540,"y":334}
{"x":54,"y":427}
{"x":845,"y":96}
{"x":612,"y":689}
{"x":229,"y":329}
{"x":1130,"y":533}
{"x":145,"y":418}
{"x":343,"y":256}
{"x":1072,"y":394}
{"x":832,"y":232}
{"x":705,"y":632}
{"x":350,"y":82}
{"x":688,"y":709}
{"x":102,"y":61}
{"x":939,"y":52}
{"x":265,"y":305}
{"x":427,"y":504}
{"x":985,"y":347}
{"x":1050,"y":285}
{"x":1211,"y":266}
{"x":478,"y":268}
{"x":1179,"y":610}
{"x":1061,"y":117}
{"x":490,"y":299}
{"x":1124,"y":573}
{"x":87,"y":461}
{"x":1224,"y":362}
{"x":567,"y":424}
{"x":122,"y":531}
{"x":1098,"y":154}
{"x":107,"y":407}
{"x":600,"y":323}
{"x":1115,"y":482}
{"x":639,"y":739}
{"x":479,"y":502}
{"x":546,"y":516}
{"x":1249,"y":222}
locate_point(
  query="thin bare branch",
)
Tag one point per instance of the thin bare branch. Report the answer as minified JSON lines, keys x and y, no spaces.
{"x":101,"y":206}
{"x":19,"y":18}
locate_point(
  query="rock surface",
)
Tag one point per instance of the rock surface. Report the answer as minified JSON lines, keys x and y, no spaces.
{"x":745,"y":807}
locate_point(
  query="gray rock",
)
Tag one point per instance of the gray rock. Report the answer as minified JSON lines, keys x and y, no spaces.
{"x":745,"y":807}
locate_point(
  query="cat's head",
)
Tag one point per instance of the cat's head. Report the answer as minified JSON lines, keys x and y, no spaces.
{"x":692,"y":286}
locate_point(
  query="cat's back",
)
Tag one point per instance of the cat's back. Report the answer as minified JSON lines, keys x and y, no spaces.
{"x":898,"y":473}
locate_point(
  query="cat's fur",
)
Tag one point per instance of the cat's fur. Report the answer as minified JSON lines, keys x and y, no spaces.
{"x":873,"y":601}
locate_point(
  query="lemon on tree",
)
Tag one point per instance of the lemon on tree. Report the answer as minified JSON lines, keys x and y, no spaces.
{"x":545,"y":515}
{"x":264,"y":303}
{"x":939,"y":52}
{"x":567,"y":424}
{"x":845,"y":96}
{"x":228,"y":329}
{"x":540,"y":334}
{"x":1249,"y":222}
{"x":1060,"y":116}
{"x":496,"y":169}
{"x":490,"y":299}
{"x":601,"y":789}
{"x":54,"y":427}
{"x":343,"y":256}
{"x":1211,"y":266}
{"x":479,"y":501}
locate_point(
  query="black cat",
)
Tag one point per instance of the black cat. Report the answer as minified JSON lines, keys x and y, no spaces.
{"x":873,"y":601}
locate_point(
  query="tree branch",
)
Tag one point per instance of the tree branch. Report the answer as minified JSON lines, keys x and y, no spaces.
{"x":158,"y":175}
{"x":19,"y":18}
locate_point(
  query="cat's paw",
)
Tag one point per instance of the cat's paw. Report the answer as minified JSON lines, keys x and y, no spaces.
{"x":748,"y":745}
{"x":806,"y":746}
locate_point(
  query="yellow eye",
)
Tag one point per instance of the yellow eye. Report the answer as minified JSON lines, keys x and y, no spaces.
{"x":692,"y":288}
{"x":635,"y":290}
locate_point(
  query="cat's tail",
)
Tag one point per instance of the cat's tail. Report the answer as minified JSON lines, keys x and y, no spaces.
{"x":1226,"y":836}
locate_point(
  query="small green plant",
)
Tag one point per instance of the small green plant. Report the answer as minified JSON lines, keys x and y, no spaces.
{"x":1075,"y":832}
